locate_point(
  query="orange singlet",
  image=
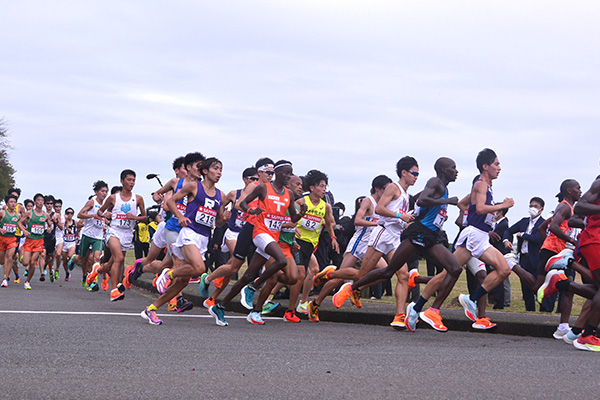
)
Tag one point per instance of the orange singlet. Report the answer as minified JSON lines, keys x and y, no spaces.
{"x":273,"y":216}
{"x":249,"y":218}
{"x":552,"y":242}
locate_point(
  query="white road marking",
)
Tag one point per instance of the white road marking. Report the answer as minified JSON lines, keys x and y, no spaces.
{"x":124,"y":314}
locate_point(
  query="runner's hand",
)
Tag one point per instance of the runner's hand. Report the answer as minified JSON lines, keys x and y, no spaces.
{"x":183,"y":221}
{"x":255,"y":211}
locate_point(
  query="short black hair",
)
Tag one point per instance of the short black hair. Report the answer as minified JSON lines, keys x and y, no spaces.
{"x":313,"y":177}
{"x":539,"y":200}
{"x":263,"y":161}
{"x":248,"y":172}
{"x":15,"y":190}
{"x":405,"y":164}
{"x":340,"y":205}
{"x":48,"y":198}
{"x":379,"y":182}
{"x":192,"y":158}
{"x":485,"y":157}
{"x":10,"y":196}
{"x":69,"y":208}
{"x":38,"y":195}
{"x":116,"y":189}
{"x":99,"y":185}
{"x":27,"y":201}
{"x":126,"y":172}
{"x":206,"y":164}
{"x":178,"y":163}
{"x":58,"y":201}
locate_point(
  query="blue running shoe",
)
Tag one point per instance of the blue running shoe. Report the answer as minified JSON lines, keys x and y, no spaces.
{"x":255,"y":318}
{"x":204,"y":286}
{"x":412,"y":317}
{"x":570,"y":337}
{"x":469,"y":305}
{"x":71,"y":263}
{"x":269,"y":307}
{"x":248,"y":297}
{"x":219,"y":315}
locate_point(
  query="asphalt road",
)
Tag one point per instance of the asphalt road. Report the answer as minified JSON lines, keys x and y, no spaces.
{"x":60,"y":341}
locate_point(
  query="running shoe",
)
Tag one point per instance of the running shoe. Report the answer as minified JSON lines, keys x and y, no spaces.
{"x":151,"y":317}
{"x":83,"y":282}
{"x":93,"y":275}
{"x":71,"y":263}
{"x":434,"y":319}
{"x":356,"y":298}
{"x":208,"y":303}
{"x":483,"y":323}
{"x":68,"y":277}
{"x":219,"y":282}
{"x":269,"y":307}
{"x":154,"y":280}
{"x":51,"y":274}
{"x":138,"y":270}
{"x":219,"y":315}
{"x":570,"y":337}
{"x":548,"y":288}
{"x":302,"y":308}
{"x":589,"y":343}
{"x":469,"y":305}
{"x":163,"y":281}
{"x":255,"y":318}
{"x":4,"y":283}
{"x":412,"y":275}
{"x":195,"y":279}
{"x":26,"y":270}
{"x":43,"y":277}
{"x":17,"y":279}
{"x":117,"y":293}
{"x":412,"y":317}
{"x":559,"y":333}
{"x":399,"y":322}
{"x":313,"y":311}
{"x":56,"y":275}
{"x":127,"y":277}
{"x":27,"y":286}
{"x":340,"y":297}
{"x":204,"y":286}
{"x":290,"y":316}
{"x":561,"y":261}
{"x":93,"y":287}
{"x":323,"y":276}
{"x":172,"y":306}
{"x":183,"y":304}
{"x":105,"y":282}
{"x":247,"y":297}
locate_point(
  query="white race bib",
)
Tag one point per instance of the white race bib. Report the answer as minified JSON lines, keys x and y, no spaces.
{"x":311,"y":222}
{"x":206,"y":216}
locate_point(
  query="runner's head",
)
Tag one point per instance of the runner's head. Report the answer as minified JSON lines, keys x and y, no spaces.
{"x":179,"y":167}
{"x":28,"y":204}
{"x":116,"y":189}
{"x":295,"y":185}
{"x":570,"y":189}
{"x":211,"y":169}
{"x":128,"y":179}
{"x":58,"y":203}
{"x":379,"y":184}
{"x":264,"y":166}
{"x":69,"y":212}
{"x":357,"y":203}
{"x":194,"y":161}
{"x":101,"y":189}
{"x":15,"y":192}
{"x":48,"y":201}
{"x":316,"y":182}
{"x":283,"y":171}
{"x":38,"y":200}
{"x":445,"y":168}
{"x":407,"y":169}
{"x":11,"y":202}
{"x":250,"y":175}
{"x":487,"y":161}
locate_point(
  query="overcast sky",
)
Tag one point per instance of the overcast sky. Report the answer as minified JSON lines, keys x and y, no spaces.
{"x":346,"y":87}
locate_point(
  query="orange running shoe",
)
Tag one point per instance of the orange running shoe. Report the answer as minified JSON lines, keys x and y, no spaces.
{"x":105,"y":282}
{"x":483,"y":323}
{"x":434,"y":319}
{"x":356,"y":298}
{"x":154,"y":280}
{"x":208,"y":303}
{"x":93,"y":275}
{"x":412,"y":275}
{"x":313,"y":311}
{"x":173,"y":304}
{"x":323,"y":276}
{"x":340,"y":297}
{"x":126,"y":281}
{"x":398,"y":322}
{"x":290,"y":316}
{"x":219,"y":282}
{"x":117,"y":293}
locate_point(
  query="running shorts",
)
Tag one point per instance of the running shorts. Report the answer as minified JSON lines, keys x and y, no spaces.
{"x":244,"y":242}
{"x":229,"y":235}
{"x":357,"y":247}
{"x":187,"y":237}
{"x":422,"y":237}
{"x":8,"y":242}
{"x":89,"y":242}
{"x":474,"y":265}
{"x":475,"y":240}
{"x":261,"y":241}
{"x":591,"y":253}
{"x":287,"y":249}
{"x":158,"y":238}
{"x":33,"y":245}
{"x":125,"y":237}
{"x":384,"y":240}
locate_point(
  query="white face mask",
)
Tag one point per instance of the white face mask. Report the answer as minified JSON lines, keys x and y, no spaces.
{"x":533,"y":212}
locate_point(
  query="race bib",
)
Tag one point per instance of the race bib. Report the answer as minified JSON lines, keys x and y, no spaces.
{"x":10,"y":228}
{"x":99,"y":222}
{"x":311,"y":222}
{"x":123,"y":222}
{"x":240,"y":220}
{"x":37,"y":229}
{"x":440,"y":218}
{"x":181,"y":207}
{"x":206,"y":216}
{"x":273,"y":222}
{"x":69,"y":237}
{"x":489,"y":219}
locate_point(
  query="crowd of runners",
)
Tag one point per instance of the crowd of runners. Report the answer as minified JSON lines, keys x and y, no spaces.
{"x":274,"y":223}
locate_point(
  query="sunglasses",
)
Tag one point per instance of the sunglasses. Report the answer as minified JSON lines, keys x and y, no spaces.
{"x":414,"y":173}
{"x":253,"y":178}
{"x":70,"y":213}
{"x":269,"y":172}
{"x":49,"y":204}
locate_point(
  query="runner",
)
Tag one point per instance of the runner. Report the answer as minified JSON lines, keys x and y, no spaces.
{"x":204,"y":209}
{"x":318,"y":215}
{"x":58,"y":220}
{"x":33,"y":225}
{"x":365,"y":220}
{"x":20,"y":209}
{"x":274,"y":199}
{"x":69,"y":234}
{"x":393,"y":211}
{"x":92,"y":233}
{"x":9,"y":220}
{"x":47,"y":256}
{"x":119,"y":236}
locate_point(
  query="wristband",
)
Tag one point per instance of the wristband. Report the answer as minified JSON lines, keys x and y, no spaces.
{"x":334,"y":237}
{"x":398,"y":215}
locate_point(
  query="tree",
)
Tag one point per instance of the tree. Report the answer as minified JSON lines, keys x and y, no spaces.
{"x":7,"y":171}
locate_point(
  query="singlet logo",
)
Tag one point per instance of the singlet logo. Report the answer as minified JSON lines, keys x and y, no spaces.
{"x":126,"y":207}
